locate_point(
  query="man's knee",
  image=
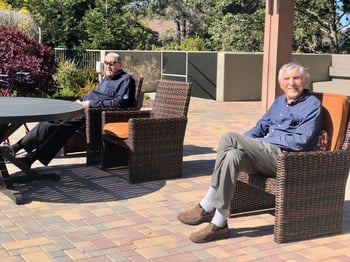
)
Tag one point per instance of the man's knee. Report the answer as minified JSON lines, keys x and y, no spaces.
{"x":231,"y":136}
{"x":229,"y":140}
{"x":234,"y":156}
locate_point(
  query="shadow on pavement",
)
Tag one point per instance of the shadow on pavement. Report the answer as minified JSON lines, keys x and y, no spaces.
{"x":197,"y":150}
{"x":196,"y":168}
{"x":85,"y":184}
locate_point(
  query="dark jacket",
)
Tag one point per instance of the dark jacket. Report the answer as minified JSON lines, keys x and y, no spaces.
{"x":118,"y":91}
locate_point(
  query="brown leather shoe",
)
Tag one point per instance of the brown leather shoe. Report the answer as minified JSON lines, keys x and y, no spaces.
{"x":195,"y":216}
{"x":210,"y":233}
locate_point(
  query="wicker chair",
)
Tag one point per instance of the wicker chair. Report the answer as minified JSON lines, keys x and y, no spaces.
{"x":88,"y":137}
{"x":149,"y":142}
{"x":308,"y":189}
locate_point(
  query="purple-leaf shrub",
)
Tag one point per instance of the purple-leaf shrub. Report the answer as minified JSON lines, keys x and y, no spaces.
{"x":19,"y":52}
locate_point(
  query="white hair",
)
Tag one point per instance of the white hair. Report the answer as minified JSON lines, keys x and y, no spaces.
{"x":116,"y":57}
{"x":303,"y":71}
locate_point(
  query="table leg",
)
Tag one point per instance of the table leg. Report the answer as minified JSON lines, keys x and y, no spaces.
{"x":7,"y":181}
{"x":5,"y":187}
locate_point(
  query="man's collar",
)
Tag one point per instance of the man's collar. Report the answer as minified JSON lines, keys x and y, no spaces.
{"x":120,"y":71}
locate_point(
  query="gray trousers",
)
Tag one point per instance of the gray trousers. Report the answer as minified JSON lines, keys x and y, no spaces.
{"x":240,"y":153}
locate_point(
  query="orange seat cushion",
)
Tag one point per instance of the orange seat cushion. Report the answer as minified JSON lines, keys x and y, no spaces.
{"x":118,"y":129}
{"x":335,"y":114}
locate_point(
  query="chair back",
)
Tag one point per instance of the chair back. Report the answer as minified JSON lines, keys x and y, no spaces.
{"x":172,"y":99}
{"x":336,"y":116}
{"x":138,"y":91}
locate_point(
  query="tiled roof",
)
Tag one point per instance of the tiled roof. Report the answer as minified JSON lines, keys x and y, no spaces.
{"x":160,"y":26}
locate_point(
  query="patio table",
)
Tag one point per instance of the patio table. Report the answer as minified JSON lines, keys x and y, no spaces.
{"x":16,"y":111}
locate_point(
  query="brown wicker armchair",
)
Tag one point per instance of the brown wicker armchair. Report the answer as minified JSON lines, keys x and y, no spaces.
{"x":149,"y":142}
{"x":88,"y":137}
{"x":308,"y":189}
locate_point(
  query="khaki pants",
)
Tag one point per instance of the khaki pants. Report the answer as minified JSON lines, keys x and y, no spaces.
{"x":240,"y":153}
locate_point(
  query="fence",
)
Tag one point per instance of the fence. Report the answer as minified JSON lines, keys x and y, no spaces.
{"x":221,"y":76}
{"x":83,"y":58}
{"x":196,"y":67}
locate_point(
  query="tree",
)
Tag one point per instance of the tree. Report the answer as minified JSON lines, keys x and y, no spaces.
{"x":188,"y":16}
{"x":238,"y":26}
{"x":4,"y":5}
{"x":231,"y":25}
{"x":320,"y":26}
{"x":18,"y":52}
{"x":112,"y":25}
{"x":101,"y":24}
{"x":59,"y":20}
{"x":18,"y":19}
{"x":15,"y":4}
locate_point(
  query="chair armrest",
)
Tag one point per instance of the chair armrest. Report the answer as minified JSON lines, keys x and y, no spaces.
{"x":94,"y":113}
{"x":318,"y":173}
{"x":148,"y":133}
{"x":318,"y":163}
{"x":123,"y":116}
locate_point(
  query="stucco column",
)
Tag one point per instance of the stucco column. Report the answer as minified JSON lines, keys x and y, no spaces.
{"x":278,"y":41}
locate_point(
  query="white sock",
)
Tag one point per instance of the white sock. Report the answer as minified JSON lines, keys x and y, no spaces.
{"x":207,"y":202}
{"x":220,"y":217}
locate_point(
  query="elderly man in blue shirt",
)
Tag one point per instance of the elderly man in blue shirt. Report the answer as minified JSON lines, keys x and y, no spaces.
{"x":292,"y":123}
{"x":44,"y":141}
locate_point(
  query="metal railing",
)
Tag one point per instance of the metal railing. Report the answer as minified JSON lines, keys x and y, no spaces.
{"x":176,"y":65}
{"x":83,"y":58}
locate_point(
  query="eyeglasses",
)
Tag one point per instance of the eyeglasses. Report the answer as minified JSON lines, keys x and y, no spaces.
{"x":111,"y":63}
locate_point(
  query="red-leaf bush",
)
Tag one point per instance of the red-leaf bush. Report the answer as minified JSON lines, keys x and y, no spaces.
{"x":19,"y":52}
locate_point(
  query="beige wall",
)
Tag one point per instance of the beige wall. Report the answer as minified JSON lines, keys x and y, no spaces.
{"x":318,"y":66}
{"x":239,"y":75}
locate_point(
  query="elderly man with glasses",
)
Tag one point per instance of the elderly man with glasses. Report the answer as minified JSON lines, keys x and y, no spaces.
{"x":44,"y":141}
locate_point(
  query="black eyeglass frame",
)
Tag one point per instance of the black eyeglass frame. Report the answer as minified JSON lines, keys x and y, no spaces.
{"x":111,"y":63}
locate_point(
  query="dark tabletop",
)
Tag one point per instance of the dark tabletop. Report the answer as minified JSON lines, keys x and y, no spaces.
{"x":29,"y":109}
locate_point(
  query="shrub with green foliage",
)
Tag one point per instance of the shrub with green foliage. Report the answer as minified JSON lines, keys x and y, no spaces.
{"x":19,"y":52}
{"x":188,"y":44}
{"x":91,"y":81}
{"x":74,"y":82}
{"x":67,"y":78}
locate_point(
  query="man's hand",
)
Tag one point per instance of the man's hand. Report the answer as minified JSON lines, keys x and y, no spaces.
{"x":85,"y":104}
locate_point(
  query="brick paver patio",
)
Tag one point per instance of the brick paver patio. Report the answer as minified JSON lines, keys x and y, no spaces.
{"x":91,"y":215}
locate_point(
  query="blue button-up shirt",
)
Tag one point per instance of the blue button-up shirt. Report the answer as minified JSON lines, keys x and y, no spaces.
{"x":292,"y":127}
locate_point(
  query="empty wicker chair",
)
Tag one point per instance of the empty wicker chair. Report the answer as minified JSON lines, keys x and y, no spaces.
{"x":309,"y":188}
{"x":149,"y":142}
{"x":88,"y":138}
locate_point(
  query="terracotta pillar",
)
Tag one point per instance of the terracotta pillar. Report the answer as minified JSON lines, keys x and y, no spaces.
{"x":278,"y":41}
